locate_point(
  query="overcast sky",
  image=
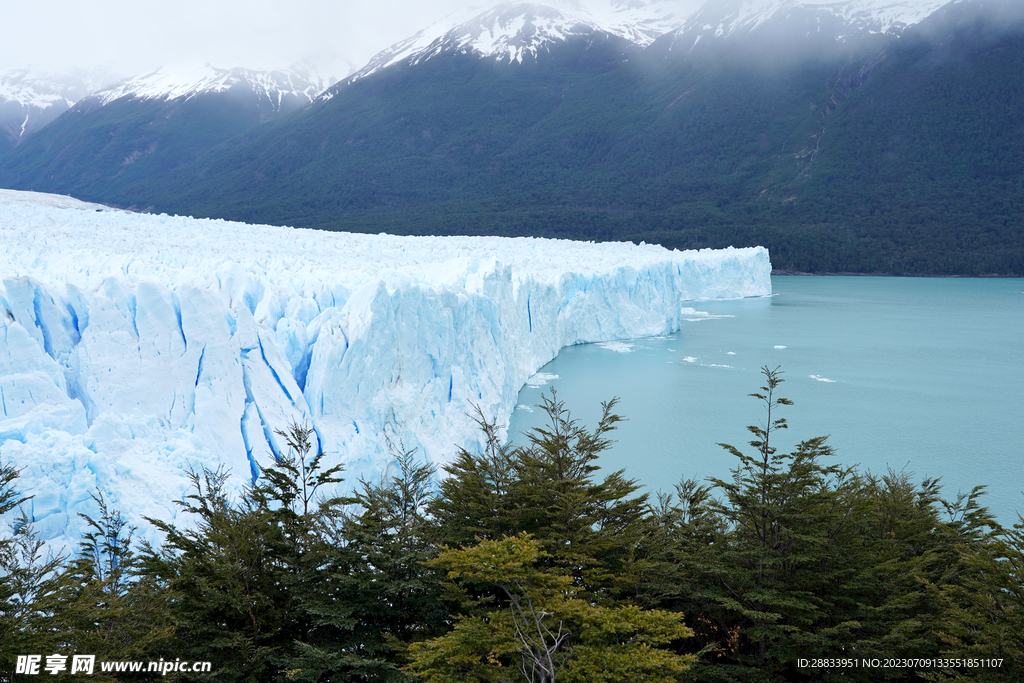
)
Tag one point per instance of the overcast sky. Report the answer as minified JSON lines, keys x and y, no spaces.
{"x":135,"y":36}
{"x":139,"y":35}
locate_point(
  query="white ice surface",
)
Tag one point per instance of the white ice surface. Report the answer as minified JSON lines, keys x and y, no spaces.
{"x":135,"y":347}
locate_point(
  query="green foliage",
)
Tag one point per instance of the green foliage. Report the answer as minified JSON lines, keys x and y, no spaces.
{"x":554,"y":550}
{"x":118,"y":147}
{"x":228,"y":575}
{"x":547,"y":489}
{"x":397,"y":598}
{"x":537,"y":627}
{"x":475,"y":498}
{"x":770,"y":580}
{"x":97,"y":603}
{"x":24,"y":580}
{"x":893,"y":155}
{"x":800,"y":559}
{"x":983,"y":613}
{"x":249,"y":576}
{"x":284,"y":584}
{"x":101,"y":604}
{"x":293,"y":482}
{"x":521,"y":565}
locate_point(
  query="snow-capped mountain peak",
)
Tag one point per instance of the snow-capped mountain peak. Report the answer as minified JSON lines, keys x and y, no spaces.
{"x":170,"y":82}
{"x":883,"y":16}
{"x":643,"y":21}
{"x":737,"y":17}
{"x":188,"y":80}
{"x":514,"y":31}
{"x":43,"y":87}
{"x":32,"y":96}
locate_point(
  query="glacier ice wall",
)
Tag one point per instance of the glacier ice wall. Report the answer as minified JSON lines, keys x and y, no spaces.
{"x":135,"y":347}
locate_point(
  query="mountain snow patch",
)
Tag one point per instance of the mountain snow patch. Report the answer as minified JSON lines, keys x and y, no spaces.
{"x":134,"y":348}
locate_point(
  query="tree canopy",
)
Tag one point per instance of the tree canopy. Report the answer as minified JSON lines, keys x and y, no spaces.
{"x":530,"y":564}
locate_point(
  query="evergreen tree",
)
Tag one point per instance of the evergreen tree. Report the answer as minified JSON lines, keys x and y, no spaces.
{"x":26,"y":573}
{"x":373,"y":594}
{"x":803,"y":560}
{"x":522,"y":566}
{"x":320,"y":568}
{"x":475,"y":500}
{"x":241,"y":574}
{"x":535,"y":626}
{"x":100,"y":603}
{"x":587,"y":528}
{"x":398,"y":598}
{"x":231,"y":604}
{"x":765,"y":586}
{"x":982,"y":612}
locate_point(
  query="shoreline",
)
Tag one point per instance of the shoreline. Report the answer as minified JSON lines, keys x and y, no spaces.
{"x":988,"y":276}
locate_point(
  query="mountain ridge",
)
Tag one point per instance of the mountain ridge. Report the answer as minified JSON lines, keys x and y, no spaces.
{"x":33,"y":96}
{"x":837,"y":152}
{"x":186,"y":81}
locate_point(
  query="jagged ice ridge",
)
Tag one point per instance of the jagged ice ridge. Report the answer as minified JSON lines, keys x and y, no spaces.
{"x":135,"y":347}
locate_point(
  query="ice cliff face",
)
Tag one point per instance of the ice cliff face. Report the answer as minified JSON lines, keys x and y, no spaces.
{"x":134,"y":347}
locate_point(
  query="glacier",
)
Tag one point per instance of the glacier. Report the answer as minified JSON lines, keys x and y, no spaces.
{"x":135,"y":347}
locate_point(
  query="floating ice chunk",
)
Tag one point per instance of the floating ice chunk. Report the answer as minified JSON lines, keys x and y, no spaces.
{"x":617,"y":346}
{"x":693,"y":315}
{"x":540,"y":379}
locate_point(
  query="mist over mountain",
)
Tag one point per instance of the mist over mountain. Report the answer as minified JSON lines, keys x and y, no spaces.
{"x":140,"y":128}
{"x":31,"y":97}
{"x":856,"y":136}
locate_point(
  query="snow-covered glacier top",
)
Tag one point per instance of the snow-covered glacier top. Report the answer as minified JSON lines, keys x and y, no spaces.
{"x":45,"y":199}
{"x":135,"y":347}
{"x":175,"y":250}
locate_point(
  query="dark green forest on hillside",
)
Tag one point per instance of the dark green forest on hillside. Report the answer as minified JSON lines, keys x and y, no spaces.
{"x":830,"y":173}
{"x":528,"y":564}
{"x":889,"y":155}
{"x":98,"y":150}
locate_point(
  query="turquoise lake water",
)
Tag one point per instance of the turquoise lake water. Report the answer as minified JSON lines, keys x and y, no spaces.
{"x":920,"y":374}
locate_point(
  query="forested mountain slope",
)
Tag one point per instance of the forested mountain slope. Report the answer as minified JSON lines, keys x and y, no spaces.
{"x":839,"y":150}
{"x":138,"y":129}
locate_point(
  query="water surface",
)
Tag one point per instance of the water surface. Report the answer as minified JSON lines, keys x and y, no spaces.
{"x":921,"y":374}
